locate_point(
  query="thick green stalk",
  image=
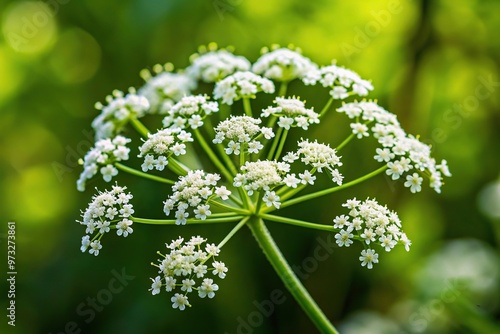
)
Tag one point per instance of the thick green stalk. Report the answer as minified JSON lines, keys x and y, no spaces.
{"x":142,"y":174}
{"x":292,"y":283}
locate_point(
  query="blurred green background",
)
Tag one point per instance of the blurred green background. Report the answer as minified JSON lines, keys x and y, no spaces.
{"x":433,"y":63}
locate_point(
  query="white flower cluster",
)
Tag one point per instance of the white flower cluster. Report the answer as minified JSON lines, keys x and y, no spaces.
{"x":190,"y":112}
{"x":403,"y":153}
{"x":108,"y":210}
{"x":194,"y":190}
{"x":283,"y":64}
{"x":241,"y":85}
{"x":342,"y":81}
{"x":184,"y":270}
{"x":265,"y":175}
{"x":165,"y":89}
{"x":241,"y":131}
{"x":161,"y":145}
{"x":216,"y":65}
{"x":292,"y":112}
{"x":103,"y":154}
{"x":117,"y":113}
{"x":319,"y":156}
{"x":372,"y":224}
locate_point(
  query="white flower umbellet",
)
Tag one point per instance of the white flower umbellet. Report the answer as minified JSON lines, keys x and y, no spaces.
{"x":109,"y":209}
{"x":403,"y":153}
{"x":161,"y":146}
{"x":241,"y":132}
{"x":283,"y":64}
{"x":101,"y":158}
{"x":215,"y":65}
{"x":371,"y":224}
{"x":190,"y":112}
{"x":184,"y":269}
{"x":117,"y":113}
{"x":165,"y":89}
{"x":192,"y":195}
{"x":241,"y":85}
{"x":291,"y":112}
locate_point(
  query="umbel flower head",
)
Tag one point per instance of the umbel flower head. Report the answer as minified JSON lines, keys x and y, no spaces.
{"x":241,"y":85}
{"x":291,"y":112}
{"x":101,"y":159}
{"x":165,"y":88}
{"x":108,"y":210}
{"x":184,"y":269}
{"x":241,"y":133}
{"x":373,"y":225}
{"x":283,"y":64}
{"x":220,"y":159}
{"x":404,"y":154}
{"x":190,"y":112}
{"x":119,"y":111}
{"x":192,"y":195}
{"x":213,"y":65}
{"x":161,"y":146}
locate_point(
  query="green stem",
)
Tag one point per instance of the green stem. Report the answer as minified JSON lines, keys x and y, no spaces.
{"x":141,"y":128}
{"x":233,"y":232}
{"x":243,"y":147}
{"x":276,"y":140}
{"x":244,"y":196}
{"x":259,"y":201}
{"x":286,"y":192}
{"x":326,"y":107}
{"x":293,"y":284}
{"x":329,"y":190}
{"x":212,"y":155}
{"x":176,"y":167}
{"x":189,"y":221}
{"x":142,"y":174}
{"x":283,"y":88}
{"x":247,"y":107}
{"x":207,"y":124}
{"x":226,"y":158}
{"x":297,"y":222}
{"x":224,"y":111}
{"x":271,"y":121}
{"x":281,"y":145}
{"x":236,"y":200}
{"x":348,"y":139}
{"x":229,"y":208}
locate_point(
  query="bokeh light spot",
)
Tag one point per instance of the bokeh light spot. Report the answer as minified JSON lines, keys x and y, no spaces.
{"x":29,"y":27}
{"x":489,"y":200}
{"x":12,"y":75}
{"x":76,"y":56}
{"x":36,"y":196}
